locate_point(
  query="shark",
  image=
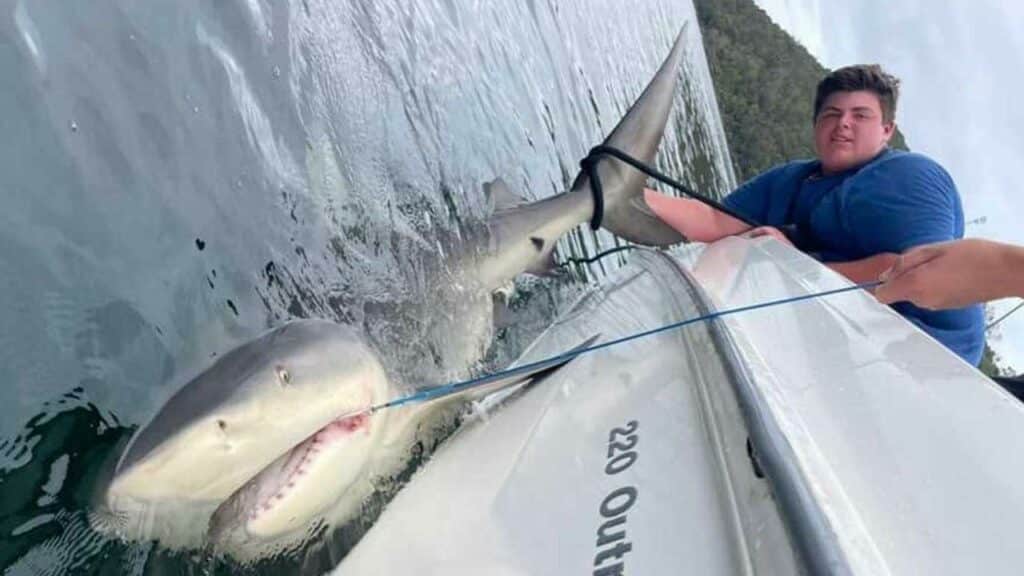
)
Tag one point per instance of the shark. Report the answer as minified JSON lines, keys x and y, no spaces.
{"x":276,"y":438}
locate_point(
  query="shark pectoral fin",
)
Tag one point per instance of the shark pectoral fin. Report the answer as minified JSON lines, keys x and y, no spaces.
{"x":553,"y":364}
{"x":545,"y":264}
{"x":500,"y":196}
{"x":530,"y":374}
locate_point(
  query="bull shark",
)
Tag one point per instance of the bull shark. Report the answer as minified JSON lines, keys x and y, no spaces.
{"x":274,"y":439}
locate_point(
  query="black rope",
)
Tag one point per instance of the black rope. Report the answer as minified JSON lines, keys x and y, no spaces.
{"x":608,"y":252}
{"x":589,"y":167}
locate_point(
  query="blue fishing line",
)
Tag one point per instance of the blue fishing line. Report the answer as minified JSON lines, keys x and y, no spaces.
{"x":447,"y":389}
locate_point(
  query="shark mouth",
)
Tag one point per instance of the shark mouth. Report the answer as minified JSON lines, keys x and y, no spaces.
{"x":303,"y":458}
{"x":299,"y":486}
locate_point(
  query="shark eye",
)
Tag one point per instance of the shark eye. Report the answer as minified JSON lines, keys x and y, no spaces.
{"x":222,"y":425}
{"x":283,"y":376}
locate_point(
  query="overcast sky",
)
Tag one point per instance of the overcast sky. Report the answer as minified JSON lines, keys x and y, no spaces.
{"x":962,"y":67}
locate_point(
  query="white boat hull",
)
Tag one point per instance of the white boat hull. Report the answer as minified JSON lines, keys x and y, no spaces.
{"x":882,"y":452}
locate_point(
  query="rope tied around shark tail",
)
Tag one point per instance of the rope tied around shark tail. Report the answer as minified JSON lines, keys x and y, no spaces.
{"x":589,"y":167}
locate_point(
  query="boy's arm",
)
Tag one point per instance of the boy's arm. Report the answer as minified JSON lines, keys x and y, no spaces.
{"x":694,"y":220}
{"x":856,"y":271}
{"x":865,"y":270}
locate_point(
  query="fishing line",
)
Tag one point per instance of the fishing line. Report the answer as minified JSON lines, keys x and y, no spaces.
{"x":558,"y":359}
{"x":608,"y":252}
{"x":1004,"y":316}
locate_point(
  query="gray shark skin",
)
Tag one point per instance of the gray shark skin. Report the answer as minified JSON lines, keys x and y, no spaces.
{"x":273,"y":440}
{"x":523,"y":238}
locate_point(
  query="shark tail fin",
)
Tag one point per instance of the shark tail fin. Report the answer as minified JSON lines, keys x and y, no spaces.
{"x":633,"y":220}
{"x":639,"y":134}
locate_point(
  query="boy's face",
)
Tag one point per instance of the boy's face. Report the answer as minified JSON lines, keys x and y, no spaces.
{"x":849,"y":130}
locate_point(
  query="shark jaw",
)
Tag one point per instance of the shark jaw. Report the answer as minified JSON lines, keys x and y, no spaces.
{"x":305,"y":386}
{"x":305,"y":461}
{"x":324,"y":478}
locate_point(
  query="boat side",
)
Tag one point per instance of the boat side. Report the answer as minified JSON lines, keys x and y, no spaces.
{"x":631,"y":458}
{"x":888,"y":454}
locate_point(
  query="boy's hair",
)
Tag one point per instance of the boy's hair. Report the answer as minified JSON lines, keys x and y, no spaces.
{"x":868,"y":77}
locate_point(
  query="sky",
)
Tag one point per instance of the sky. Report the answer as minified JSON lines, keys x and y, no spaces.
{"x":961,"y":63}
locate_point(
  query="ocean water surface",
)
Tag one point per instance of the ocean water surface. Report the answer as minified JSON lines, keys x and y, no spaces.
{"x":178,"y":177}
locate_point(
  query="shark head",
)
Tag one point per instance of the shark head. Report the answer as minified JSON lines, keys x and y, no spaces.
{"x":252,"y":405}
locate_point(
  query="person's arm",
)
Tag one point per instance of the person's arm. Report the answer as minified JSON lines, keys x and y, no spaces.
{"x":694,"y":220}
{"x":856,"y":271}
{"x":865,"y":270}
{"x":954,"y":274}
{"x":702,"y":223}
{"x":902,"y":203}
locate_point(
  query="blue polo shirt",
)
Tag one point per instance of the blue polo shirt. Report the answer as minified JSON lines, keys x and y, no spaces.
{"x":896,"y":201}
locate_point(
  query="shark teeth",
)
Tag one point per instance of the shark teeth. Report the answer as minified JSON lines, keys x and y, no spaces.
{"x":305,"y":455}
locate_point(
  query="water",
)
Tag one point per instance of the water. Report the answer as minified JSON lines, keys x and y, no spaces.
{"x":177,"y":177}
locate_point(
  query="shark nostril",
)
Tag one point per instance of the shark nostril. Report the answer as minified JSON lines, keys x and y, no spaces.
{"x":283,"y":376}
